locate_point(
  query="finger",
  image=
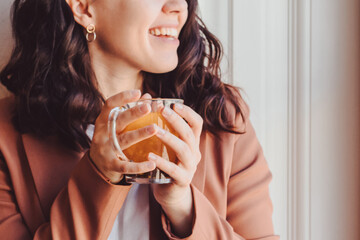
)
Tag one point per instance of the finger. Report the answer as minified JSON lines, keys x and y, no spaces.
{"x":125,"y":167}
{"x":179,"y":124}
{"x":180,"y":148}
{"x":174,"y":171}
{"x":194,"y":120}
{"x":146,"y":96}
{"x":118,"y":100}
{"x":131,"y":114}
{"x":132,"y":137}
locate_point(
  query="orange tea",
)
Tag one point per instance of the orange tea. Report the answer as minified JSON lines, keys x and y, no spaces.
{"x":139,"y":152}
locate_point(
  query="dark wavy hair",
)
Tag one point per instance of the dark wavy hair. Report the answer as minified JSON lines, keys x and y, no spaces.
{"x":56,"y":91}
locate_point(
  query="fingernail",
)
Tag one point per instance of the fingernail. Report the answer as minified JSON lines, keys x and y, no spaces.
{"x":151,"y":128}
{"x":179,"y":106}
{"x":167,"y":112}
{"x":152,"y":157}
{"x":160,"y":131}
{"x":147,"y":95}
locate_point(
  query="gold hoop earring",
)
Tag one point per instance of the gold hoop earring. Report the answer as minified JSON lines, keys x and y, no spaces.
{"x":90,"y":35}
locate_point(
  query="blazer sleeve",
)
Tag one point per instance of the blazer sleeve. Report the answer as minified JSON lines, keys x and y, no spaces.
{"x":249,"y":207}
{"x":85,"y":209}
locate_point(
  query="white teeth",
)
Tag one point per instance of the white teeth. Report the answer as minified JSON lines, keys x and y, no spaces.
{"x":169,"y":32}
{"x":163,"y":31}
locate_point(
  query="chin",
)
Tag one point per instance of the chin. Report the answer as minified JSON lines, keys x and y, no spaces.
{"x":163,"y":67}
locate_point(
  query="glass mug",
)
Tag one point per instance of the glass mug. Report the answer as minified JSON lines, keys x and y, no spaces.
{"x":139,"y":152}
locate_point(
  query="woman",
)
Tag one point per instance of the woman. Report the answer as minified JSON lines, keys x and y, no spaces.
{"x":73,"y":62}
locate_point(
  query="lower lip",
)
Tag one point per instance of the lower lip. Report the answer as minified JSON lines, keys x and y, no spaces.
{"x":167,"y":40}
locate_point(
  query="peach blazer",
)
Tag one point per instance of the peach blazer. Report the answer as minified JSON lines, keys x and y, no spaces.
{"x":50,"y":192}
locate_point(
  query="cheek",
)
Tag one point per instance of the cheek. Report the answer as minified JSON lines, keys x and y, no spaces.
{"x":119,"y":36}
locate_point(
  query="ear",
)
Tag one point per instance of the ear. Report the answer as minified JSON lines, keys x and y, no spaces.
{"x":81,"y":11}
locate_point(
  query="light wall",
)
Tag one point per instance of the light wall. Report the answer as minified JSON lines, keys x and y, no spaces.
{"x":299,"y":64}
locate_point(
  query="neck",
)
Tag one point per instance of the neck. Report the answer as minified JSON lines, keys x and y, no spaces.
{"x":114,"y":75}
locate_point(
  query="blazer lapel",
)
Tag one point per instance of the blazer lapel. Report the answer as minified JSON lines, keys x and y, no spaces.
{"x":51,"y":165}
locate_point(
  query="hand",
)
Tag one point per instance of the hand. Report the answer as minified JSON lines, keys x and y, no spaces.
{"x":176,"y":198}
{"x":101,"y":150}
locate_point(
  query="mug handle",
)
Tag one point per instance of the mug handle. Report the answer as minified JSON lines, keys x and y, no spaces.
{"x":114,"y":113}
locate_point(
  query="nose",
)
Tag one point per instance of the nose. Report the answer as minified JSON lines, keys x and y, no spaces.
{"x":175,"y":6}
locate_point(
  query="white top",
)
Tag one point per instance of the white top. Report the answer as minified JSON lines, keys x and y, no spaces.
{"x":132,"y":222}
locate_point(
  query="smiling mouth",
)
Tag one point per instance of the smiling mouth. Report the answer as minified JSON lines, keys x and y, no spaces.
{"x":164,"y":32}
